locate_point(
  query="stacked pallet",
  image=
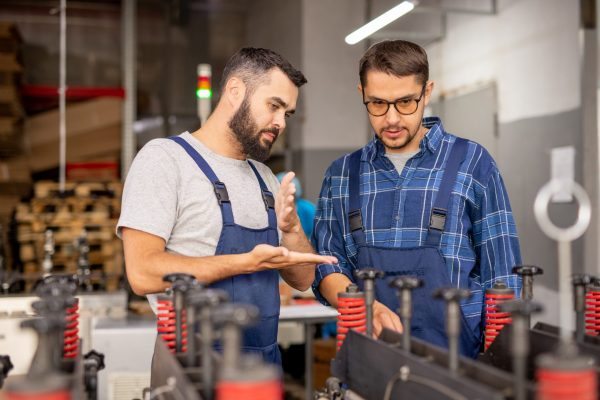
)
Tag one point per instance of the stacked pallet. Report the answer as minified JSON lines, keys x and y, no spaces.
{"x":89,"y":209}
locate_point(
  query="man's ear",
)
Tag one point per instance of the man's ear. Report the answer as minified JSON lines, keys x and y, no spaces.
{"x":360,"y":88}
{"x":235,"y":91}
{"x":428,"y":91}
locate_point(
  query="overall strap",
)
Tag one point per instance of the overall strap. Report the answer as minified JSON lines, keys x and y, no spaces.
{"x":267,"y":197}
{"x":218,"y":186}
{"x":439,"y":212}
{"x":354,"y":213}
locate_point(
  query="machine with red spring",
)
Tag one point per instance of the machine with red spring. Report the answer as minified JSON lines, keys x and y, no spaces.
{"x":171,"y":324}
{"x":592,"y":308}
{"x":352,"y":313}
{"x":494,"y":318}
{"x":62,"y":288}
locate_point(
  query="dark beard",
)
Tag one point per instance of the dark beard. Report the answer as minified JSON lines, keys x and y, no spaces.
{"x":247,"y":135}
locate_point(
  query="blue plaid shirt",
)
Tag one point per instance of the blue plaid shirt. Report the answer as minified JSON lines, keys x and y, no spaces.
{"x":480,"y":243}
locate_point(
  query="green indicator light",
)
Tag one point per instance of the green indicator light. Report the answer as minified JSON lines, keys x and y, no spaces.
{"x":204,"y":93}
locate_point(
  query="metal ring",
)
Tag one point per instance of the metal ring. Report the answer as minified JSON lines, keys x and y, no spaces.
{"x":540,"y":208}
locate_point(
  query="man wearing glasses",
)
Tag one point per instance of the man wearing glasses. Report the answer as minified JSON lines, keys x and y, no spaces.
{"x":415,"y":201}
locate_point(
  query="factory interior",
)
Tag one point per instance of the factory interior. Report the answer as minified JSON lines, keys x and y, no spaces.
{"x":95,"y":306}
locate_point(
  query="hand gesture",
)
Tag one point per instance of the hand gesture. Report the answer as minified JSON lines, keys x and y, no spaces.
{"x":265,"y":256}
{"x":285,"y":206}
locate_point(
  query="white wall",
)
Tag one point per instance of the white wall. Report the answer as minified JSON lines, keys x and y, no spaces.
{"x":530,"y":49}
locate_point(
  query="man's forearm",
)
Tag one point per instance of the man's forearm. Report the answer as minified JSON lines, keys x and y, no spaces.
{"x":146,"y":277}
{"x":299,"y":277}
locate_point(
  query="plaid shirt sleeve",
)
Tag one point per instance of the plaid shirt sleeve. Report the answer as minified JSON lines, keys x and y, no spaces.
{"x":495,"y":239}
{"x":328,"y":236}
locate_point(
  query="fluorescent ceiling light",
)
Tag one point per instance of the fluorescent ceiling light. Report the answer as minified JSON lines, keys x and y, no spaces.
{"x":379,"y":22}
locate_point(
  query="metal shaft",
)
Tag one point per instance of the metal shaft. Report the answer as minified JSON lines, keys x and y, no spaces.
{"x":206,"y":340}
{"x":520,"y":350}
{"x":406,"y":315}
{"x":231,"y":346}
{"x":369,"y":300}
{"x":579,"y":300}
{"x":565,"y":290}
{"x":190,"y":315}
{"x":178,"y":305}
{"x":453,"y":331}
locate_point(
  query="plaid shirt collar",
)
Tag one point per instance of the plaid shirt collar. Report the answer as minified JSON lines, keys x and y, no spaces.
{"x":431,"y":142}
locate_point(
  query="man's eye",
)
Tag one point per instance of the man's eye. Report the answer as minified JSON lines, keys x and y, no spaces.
{"x":287,"y":115}
{"x":273,"y":107}
{"x":378,"y":102}
{"x":404,"y":102}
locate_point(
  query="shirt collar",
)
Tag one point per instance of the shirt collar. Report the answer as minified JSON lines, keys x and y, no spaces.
{"x":431,"y":141}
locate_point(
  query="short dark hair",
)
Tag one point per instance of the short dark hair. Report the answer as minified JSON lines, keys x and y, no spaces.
{"x":395,"y":57}
{"x":252,"y":65}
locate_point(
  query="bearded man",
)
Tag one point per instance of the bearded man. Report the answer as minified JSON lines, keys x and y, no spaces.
{"x":196,"y":203}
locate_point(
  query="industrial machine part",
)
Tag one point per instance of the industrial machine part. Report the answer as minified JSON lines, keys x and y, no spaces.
{"x":180,"y":283}
{"x":93,"y":362}
{"x":580,"y":283}
{"x":243,"y":376}
{"x":5,"y":367}
{"x":521,"y":312}
{"x":352,"y":312}
{"x":203,"y":302}
{"x":592,"y":312}
{"x":368,"y":276}
{"x":564,"y":373}
{"x":452,"y":297}
{"x":494,"y":318}
{"x":47,"y":264}
{"x":83,"y":264}
{"x":370,"y":368}
{"x":405,"y":285}
{"x":44,"y":379}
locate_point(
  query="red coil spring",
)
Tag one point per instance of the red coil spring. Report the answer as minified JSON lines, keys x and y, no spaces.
{"x":165,"y":325}
{"x":266,"y":390}
{"x":71,"y":339}
{"x":494,"y":319}
{"x":352,"y":315}
{"x":592,"y":311}
{"x":566,"y":385}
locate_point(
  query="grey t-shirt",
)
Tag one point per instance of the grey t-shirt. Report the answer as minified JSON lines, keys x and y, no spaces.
{"x":167,"y":195}
{"x":400,"y":159}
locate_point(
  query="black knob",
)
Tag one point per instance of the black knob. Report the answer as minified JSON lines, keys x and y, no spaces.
{"x":451,"y":294}
{"x":527,"y":270}
{"x":95,"y":357}
{"x":172,"y":278}
{"x":406,"y":282}
{"x":582,"y":279}
{"x":239,"y":314}
{"x":520,"y":307}
{"x":368,"y":273}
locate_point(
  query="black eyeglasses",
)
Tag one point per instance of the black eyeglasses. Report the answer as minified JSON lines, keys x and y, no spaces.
{"x":404,"y":106}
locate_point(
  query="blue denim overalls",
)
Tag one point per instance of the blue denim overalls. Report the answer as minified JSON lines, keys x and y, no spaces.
{"x":425,"y":262}
{"x":258,"y":288}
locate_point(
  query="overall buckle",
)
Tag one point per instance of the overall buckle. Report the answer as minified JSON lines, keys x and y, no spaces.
{"x":268,"y":199}
{"x":438,"y":219}
{"x":355,"y":218}
{"x":221,"y":192}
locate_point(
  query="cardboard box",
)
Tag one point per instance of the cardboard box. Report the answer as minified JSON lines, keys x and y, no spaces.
{"x":93,"y":133}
